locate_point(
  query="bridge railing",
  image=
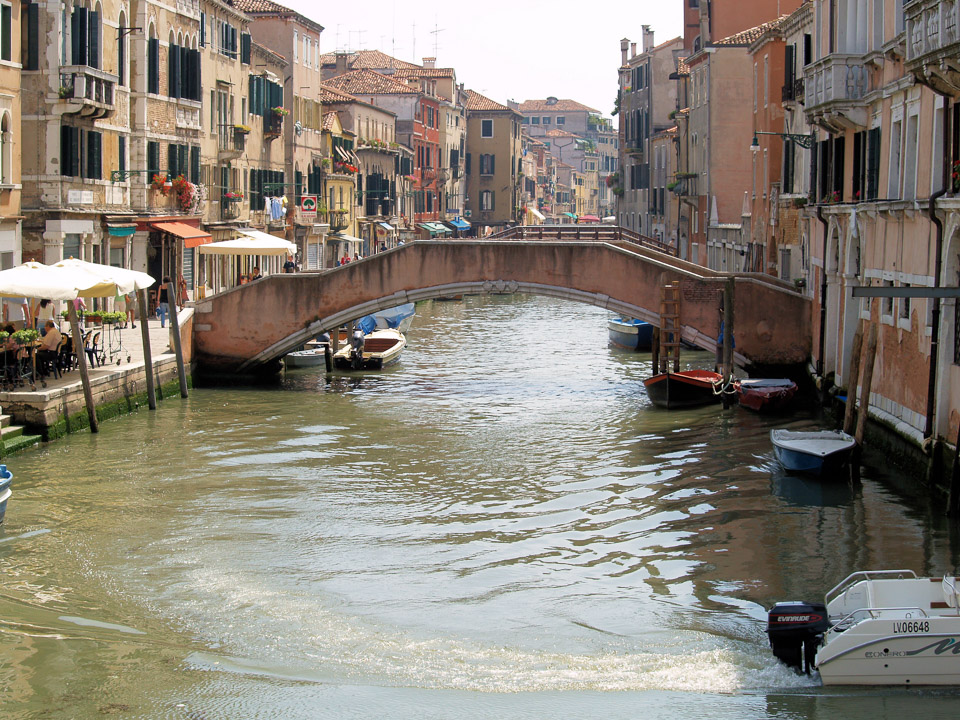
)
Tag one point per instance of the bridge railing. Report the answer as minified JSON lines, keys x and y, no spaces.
{"x":581,"y":233}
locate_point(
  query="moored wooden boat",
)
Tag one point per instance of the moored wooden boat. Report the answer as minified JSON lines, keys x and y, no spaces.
{"x":305,"y":358}
{"x":629,"y":333}
{"x":687,"y":388}
{"x":818,"y":452}
{"x":6,"y":477}
{"x":380,"y":349}
{"x":765,"y":395}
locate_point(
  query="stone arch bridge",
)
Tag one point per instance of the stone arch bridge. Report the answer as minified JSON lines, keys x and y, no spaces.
{"x":247,"y":329}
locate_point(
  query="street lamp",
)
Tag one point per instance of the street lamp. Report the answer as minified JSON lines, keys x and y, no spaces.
{"x":804,"y":141}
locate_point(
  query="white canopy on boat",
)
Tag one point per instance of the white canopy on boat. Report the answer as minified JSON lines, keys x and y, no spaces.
{"x":253,"y":242}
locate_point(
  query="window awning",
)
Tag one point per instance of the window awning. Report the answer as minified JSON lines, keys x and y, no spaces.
{"x":536,"y":213}
{"x":386,"y":226}
{"x":346,"y":238}
{"x":589,"y":218}
{"x":121,"y":230}
{"x":570,"y":215}
{"x":192,"y":237}
{"x":435,"y":228}
{"x":459,"y":224}
{"x":342,"y":153}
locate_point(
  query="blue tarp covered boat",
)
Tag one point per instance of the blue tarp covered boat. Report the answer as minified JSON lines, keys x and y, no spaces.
{"x":398,"y":318}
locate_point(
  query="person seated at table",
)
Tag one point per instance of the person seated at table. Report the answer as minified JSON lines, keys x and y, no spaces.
{"x":49,"y":346}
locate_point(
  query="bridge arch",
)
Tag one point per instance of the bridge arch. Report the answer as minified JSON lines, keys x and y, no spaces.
{"x":253,"y":325}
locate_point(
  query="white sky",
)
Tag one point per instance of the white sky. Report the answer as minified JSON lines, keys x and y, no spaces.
{"x":504,"y":49}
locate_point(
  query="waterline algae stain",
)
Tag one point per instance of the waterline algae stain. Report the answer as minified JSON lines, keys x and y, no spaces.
{"x":498,"y":527}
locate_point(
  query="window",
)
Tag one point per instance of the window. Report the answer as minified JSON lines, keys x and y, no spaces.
{"x":296,"y":39}
{"x":153,"y":66}
{"x":534,"y":121}
{"x":6,"y":154}
{"x":486,"y":200}
{"x":245,"y":47}
{"x":122,"y":155}
{"x":561,"y":120}
{"x":893,"y":187}
{"x":486,"y":128}
{"x":546,"y":120}
{"x":30,"y":50}
{"x":5,"y":31}
{"x":228,"y":39}
{"x":80,"y":153}
{"x":910,"y":159}
{"x":153,"y":159}
{"x":487,"y":164}
{"x":122,"y":52}
{"x":873,"y":164}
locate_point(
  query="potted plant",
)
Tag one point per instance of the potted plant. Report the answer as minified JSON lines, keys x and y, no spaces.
{"x":799,"y":202}
{"x":233,"y":196}
{"x":113,"y":318}
{"x":65,"y":91}
{"x":160,"y":184}
{"x":25,"y":336}
{"x":325,"y":163}
{"x":241,"y":129}
{"x":956,"y":176}
{"x":281,"y":111}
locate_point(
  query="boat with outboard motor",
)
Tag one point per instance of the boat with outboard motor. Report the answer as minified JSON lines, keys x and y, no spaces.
{"x":370,"y":351}
{"x":879,"y":627}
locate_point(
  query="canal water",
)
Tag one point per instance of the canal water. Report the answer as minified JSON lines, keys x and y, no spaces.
{"x":501,"y":526}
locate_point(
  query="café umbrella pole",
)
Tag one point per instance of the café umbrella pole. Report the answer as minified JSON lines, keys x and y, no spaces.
{"x":82,"y":365}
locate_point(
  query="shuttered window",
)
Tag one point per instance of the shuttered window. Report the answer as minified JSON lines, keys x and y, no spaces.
{"x":153,"y":66}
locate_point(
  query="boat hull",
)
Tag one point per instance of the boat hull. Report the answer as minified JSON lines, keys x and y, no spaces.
{"x":765,"y":395}
{"x":382,"y":348}
{"x":813,"y":453}
{"x":6,"y":477}
{"x":630,"y":334}
{"x":304,"y":358}
{"x":689,"y":388}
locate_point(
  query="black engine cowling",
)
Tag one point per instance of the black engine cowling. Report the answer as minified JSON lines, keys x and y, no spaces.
{"x":796,"y":630}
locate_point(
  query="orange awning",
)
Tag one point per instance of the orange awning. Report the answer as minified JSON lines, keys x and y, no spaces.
{"x":192,"y":237}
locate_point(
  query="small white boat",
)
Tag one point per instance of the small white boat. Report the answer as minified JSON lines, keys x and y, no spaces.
{"x":311,"y":357}
{"x":6,"y":477}
{"x":820,"y":452}
{"x":372,"y":351}
{"x":886,"y":627}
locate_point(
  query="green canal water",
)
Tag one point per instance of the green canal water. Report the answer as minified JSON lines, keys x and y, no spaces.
{"x":501,"y":526}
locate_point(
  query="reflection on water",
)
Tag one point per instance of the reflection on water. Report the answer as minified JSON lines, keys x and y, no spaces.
{"x":499,"y":526}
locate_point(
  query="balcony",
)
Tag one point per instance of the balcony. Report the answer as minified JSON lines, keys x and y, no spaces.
{"x":87,"y":91}
{"x":231,"y":142}
{"x":229,"y":210}
{"x":685,"y":185}
{"x":637,"y":153}
{"x":793,"y":91}
{"x":933,"y":43}
{"x":272,"y":126}
{"x":834,"y":91}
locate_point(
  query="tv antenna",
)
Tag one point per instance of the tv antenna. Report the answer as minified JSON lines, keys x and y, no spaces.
{"x":436,"y":34}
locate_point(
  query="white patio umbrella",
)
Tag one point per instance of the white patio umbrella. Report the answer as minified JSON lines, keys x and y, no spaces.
{"x":68,"y":280}
{"x":253,"y":242}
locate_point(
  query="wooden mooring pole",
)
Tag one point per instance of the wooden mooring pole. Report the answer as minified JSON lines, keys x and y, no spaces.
{"x":853,"y":378}
{"x":147,"y":350}
{"x":868,"y":361}
{"x":175,"y":331}
{"x":81,"y":352}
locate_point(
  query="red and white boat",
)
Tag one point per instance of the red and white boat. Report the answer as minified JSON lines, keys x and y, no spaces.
{"x":765,"y":395}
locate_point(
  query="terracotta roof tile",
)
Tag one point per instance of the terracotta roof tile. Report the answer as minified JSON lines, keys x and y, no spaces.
{"x":748,"y":36}
{"x":559,"y":106}
{"x":332,"y":95}
{"x":259,"y":6}
{"x":682,"y":67}
{"x":476,"y":101}
{"x":368,"y":82}
{"x":328,"y":121}
{"x":367,"y":60}
{"x":560,"y":133}
{"x":419,"y":72}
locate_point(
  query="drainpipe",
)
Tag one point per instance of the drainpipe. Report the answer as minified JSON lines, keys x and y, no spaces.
{"x":823,"y":293}
{"x":932,"y":212}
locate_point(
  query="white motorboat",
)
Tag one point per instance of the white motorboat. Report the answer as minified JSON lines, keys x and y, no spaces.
{"x":372,"y":351}
{"x":886,"y":627}
{"x":311,"y":357}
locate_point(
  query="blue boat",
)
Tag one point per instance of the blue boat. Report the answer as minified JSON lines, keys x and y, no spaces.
{"x":630,"y":334}
{"x":820,"y":452}
{"x":5,"y":479}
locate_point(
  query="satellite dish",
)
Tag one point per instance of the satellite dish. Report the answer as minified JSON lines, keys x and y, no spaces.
{"x":298,"y":128}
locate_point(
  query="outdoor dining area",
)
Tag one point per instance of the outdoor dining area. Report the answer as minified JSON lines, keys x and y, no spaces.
{"x":86,"y":340}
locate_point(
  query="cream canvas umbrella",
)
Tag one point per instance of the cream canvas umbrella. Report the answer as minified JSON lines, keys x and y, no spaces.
{"x":68,"y":280}
{"x":123,"y":281}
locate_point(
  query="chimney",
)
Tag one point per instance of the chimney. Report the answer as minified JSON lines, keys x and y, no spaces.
{"x":341,"y":61}
{"x":624,"y":45}
{"x":430,"y":62}
{"x":647,"y":38}
{"x":633,"y":50}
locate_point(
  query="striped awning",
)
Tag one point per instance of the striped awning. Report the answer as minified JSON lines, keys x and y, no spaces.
{"x":192,"y":237}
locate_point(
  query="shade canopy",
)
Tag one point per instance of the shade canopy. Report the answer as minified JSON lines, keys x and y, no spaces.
{"x":589,"y":218}
{"x":252,"y":242}
{"x":459,"y":223}
{"x":191,"y":236}
{"x":69,"y":279}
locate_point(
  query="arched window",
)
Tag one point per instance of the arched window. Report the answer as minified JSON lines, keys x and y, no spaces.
{"x":153,"y":61}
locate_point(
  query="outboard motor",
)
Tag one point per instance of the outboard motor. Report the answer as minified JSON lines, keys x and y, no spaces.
{"x":796,"y":630}
{"x":356,"y":349}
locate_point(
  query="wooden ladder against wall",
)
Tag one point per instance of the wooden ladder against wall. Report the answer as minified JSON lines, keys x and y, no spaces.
{"x":670,"y":326}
